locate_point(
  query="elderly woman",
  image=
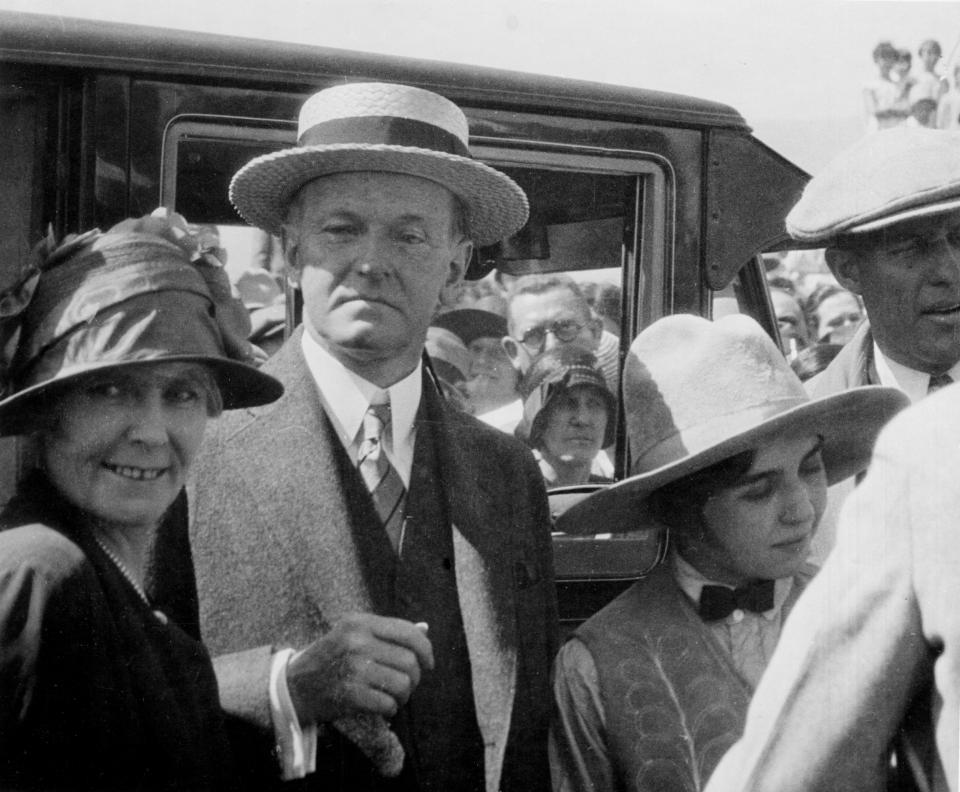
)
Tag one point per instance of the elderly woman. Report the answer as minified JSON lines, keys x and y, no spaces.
{"x":568,"y":415}
{"x":123,"y":345}
{"x":731,"y":461}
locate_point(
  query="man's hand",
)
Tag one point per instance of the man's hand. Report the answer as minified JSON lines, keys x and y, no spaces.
{"x":366,"y":663}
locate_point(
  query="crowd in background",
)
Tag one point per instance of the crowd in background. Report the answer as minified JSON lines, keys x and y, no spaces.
{"x":902,"y":93}
{"x":815,"y":314}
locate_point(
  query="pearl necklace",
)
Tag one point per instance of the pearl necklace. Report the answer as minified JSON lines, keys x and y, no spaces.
{"x":122,"y":569}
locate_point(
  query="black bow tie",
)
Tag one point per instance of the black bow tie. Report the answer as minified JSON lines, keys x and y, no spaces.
{"x":718,"y":602}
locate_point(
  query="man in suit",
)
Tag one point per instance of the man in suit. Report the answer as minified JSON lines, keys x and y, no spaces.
{"x":888,"y":212}
{"x":374,"y":568}
{"x":876,"y":634}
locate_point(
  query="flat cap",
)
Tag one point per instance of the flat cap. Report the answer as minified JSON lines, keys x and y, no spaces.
{"x":887,"y":177}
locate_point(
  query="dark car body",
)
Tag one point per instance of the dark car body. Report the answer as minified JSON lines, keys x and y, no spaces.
{"x":669,"y":196}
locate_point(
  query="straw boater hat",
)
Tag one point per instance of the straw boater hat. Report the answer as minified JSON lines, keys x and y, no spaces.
{"x":884,"y":179}
{"x":381,"y":127}
{"x":696,"y":392}
{"x":144,"y":292}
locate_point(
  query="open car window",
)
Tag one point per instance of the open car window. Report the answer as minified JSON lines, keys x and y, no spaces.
{"x":601,"y":217}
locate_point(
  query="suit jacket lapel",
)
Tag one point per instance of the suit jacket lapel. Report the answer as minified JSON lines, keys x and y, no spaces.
{"x":310,"y":512}
{"x":484,"y":572}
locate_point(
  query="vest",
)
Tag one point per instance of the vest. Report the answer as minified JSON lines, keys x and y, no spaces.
{"x":438,"y":725}
{"x":673,"y":700}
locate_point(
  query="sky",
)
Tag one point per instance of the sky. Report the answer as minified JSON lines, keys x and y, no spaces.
{"x":793,"y":68}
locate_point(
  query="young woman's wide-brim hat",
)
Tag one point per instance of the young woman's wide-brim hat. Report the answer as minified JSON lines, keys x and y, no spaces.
{"x":131,"y":296}
{"x":696,"y":392}
{"x":388,"y":128}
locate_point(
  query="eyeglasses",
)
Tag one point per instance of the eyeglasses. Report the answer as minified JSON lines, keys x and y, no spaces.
{"x":563,"y":330}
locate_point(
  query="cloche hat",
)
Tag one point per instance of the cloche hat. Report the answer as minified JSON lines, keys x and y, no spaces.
{"x":696,"y":392}
{"x":886,"y":178}
{"x":381,"y":127}
{"x":554,"y":372}
{"x":146,"y":291}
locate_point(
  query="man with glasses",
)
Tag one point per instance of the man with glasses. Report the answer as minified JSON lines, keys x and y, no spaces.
{"x":547,"y":311}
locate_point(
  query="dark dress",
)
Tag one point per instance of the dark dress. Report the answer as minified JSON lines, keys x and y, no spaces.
{"x":96,"y":690}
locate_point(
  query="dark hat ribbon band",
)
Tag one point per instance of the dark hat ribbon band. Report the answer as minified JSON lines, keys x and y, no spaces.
{"x":383,"y":130}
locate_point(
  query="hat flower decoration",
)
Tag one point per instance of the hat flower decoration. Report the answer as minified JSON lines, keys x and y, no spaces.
{"x":149,"y":289}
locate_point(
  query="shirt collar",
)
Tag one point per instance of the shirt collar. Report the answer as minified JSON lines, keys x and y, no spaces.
{"x":691,"y":582}
{"x":346,"y":397}
{"x":912,"y":382}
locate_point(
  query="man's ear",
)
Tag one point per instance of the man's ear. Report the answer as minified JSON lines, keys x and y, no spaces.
{"x":458,"y":268}
{"x":288,"y":245}
{"x":845,"y":266}
{"x":519,"y":356}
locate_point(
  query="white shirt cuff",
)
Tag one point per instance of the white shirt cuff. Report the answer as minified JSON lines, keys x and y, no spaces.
{"x":296,"y":746}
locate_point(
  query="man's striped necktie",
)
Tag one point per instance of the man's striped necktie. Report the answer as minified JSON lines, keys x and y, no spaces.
{"x":383,"y":481}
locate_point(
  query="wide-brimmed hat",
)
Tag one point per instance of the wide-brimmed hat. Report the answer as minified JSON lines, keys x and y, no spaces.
{"x":381,"y":127}
{"x":552,"y":373}
{"x":886,"y":178}
{"x":469,"y":324}
{"x":144,"y":292}
{"x":696,"y":392}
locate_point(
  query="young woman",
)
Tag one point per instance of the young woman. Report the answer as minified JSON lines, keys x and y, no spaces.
{"x":731,"y":461}
{"x":127,"y":343}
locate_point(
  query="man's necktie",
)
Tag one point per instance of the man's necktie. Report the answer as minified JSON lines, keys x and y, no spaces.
{"x":938,"y":381}
{"x":718,"y":602}
{"x":381,"y":478}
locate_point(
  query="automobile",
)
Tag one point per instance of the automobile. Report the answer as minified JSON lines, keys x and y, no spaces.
{"x":669,"y":197}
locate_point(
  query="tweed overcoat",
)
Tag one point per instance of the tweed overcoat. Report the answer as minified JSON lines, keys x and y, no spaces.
{"x":877,"y":629}
{"x":276,"y":563}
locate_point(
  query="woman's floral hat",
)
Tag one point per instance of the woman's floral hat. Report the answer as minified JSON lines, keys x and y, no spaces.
{"x":150,"y":289}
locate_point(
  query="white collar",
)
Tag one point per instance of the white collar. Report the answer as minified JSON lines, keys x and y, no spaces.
{"x":346,"y":396}
{"x":912,"y":382}
{"x":692,"y":581}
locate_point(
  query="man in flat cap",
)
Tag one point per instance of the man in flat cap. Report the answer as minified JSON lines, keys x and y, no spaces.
{"x":374,"y":568}
{"x":888,"y":213}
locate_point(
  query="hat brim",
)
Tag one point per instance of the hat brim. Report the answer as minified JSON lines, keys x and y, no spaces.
{"x":496,"y":205}
{"x":848,"y":422}
{"x":929,"y":210}
{"x":240,"y":384}
{"x":469,"y":324}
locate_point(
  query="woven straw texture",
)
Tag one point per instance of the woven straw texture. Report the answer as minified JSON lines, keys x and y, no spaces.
{"x":496,"y":206}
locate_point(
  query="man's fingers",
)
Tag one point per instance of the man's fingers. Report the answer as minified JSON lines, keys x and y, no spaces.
{"x":395,"y":684}
{"x":399,"y":632}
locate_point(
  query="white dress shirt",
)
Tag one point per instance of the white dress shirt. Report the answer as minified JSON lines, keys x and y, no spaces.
{"x":345,"y":397}
{"x":895,"y":375}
